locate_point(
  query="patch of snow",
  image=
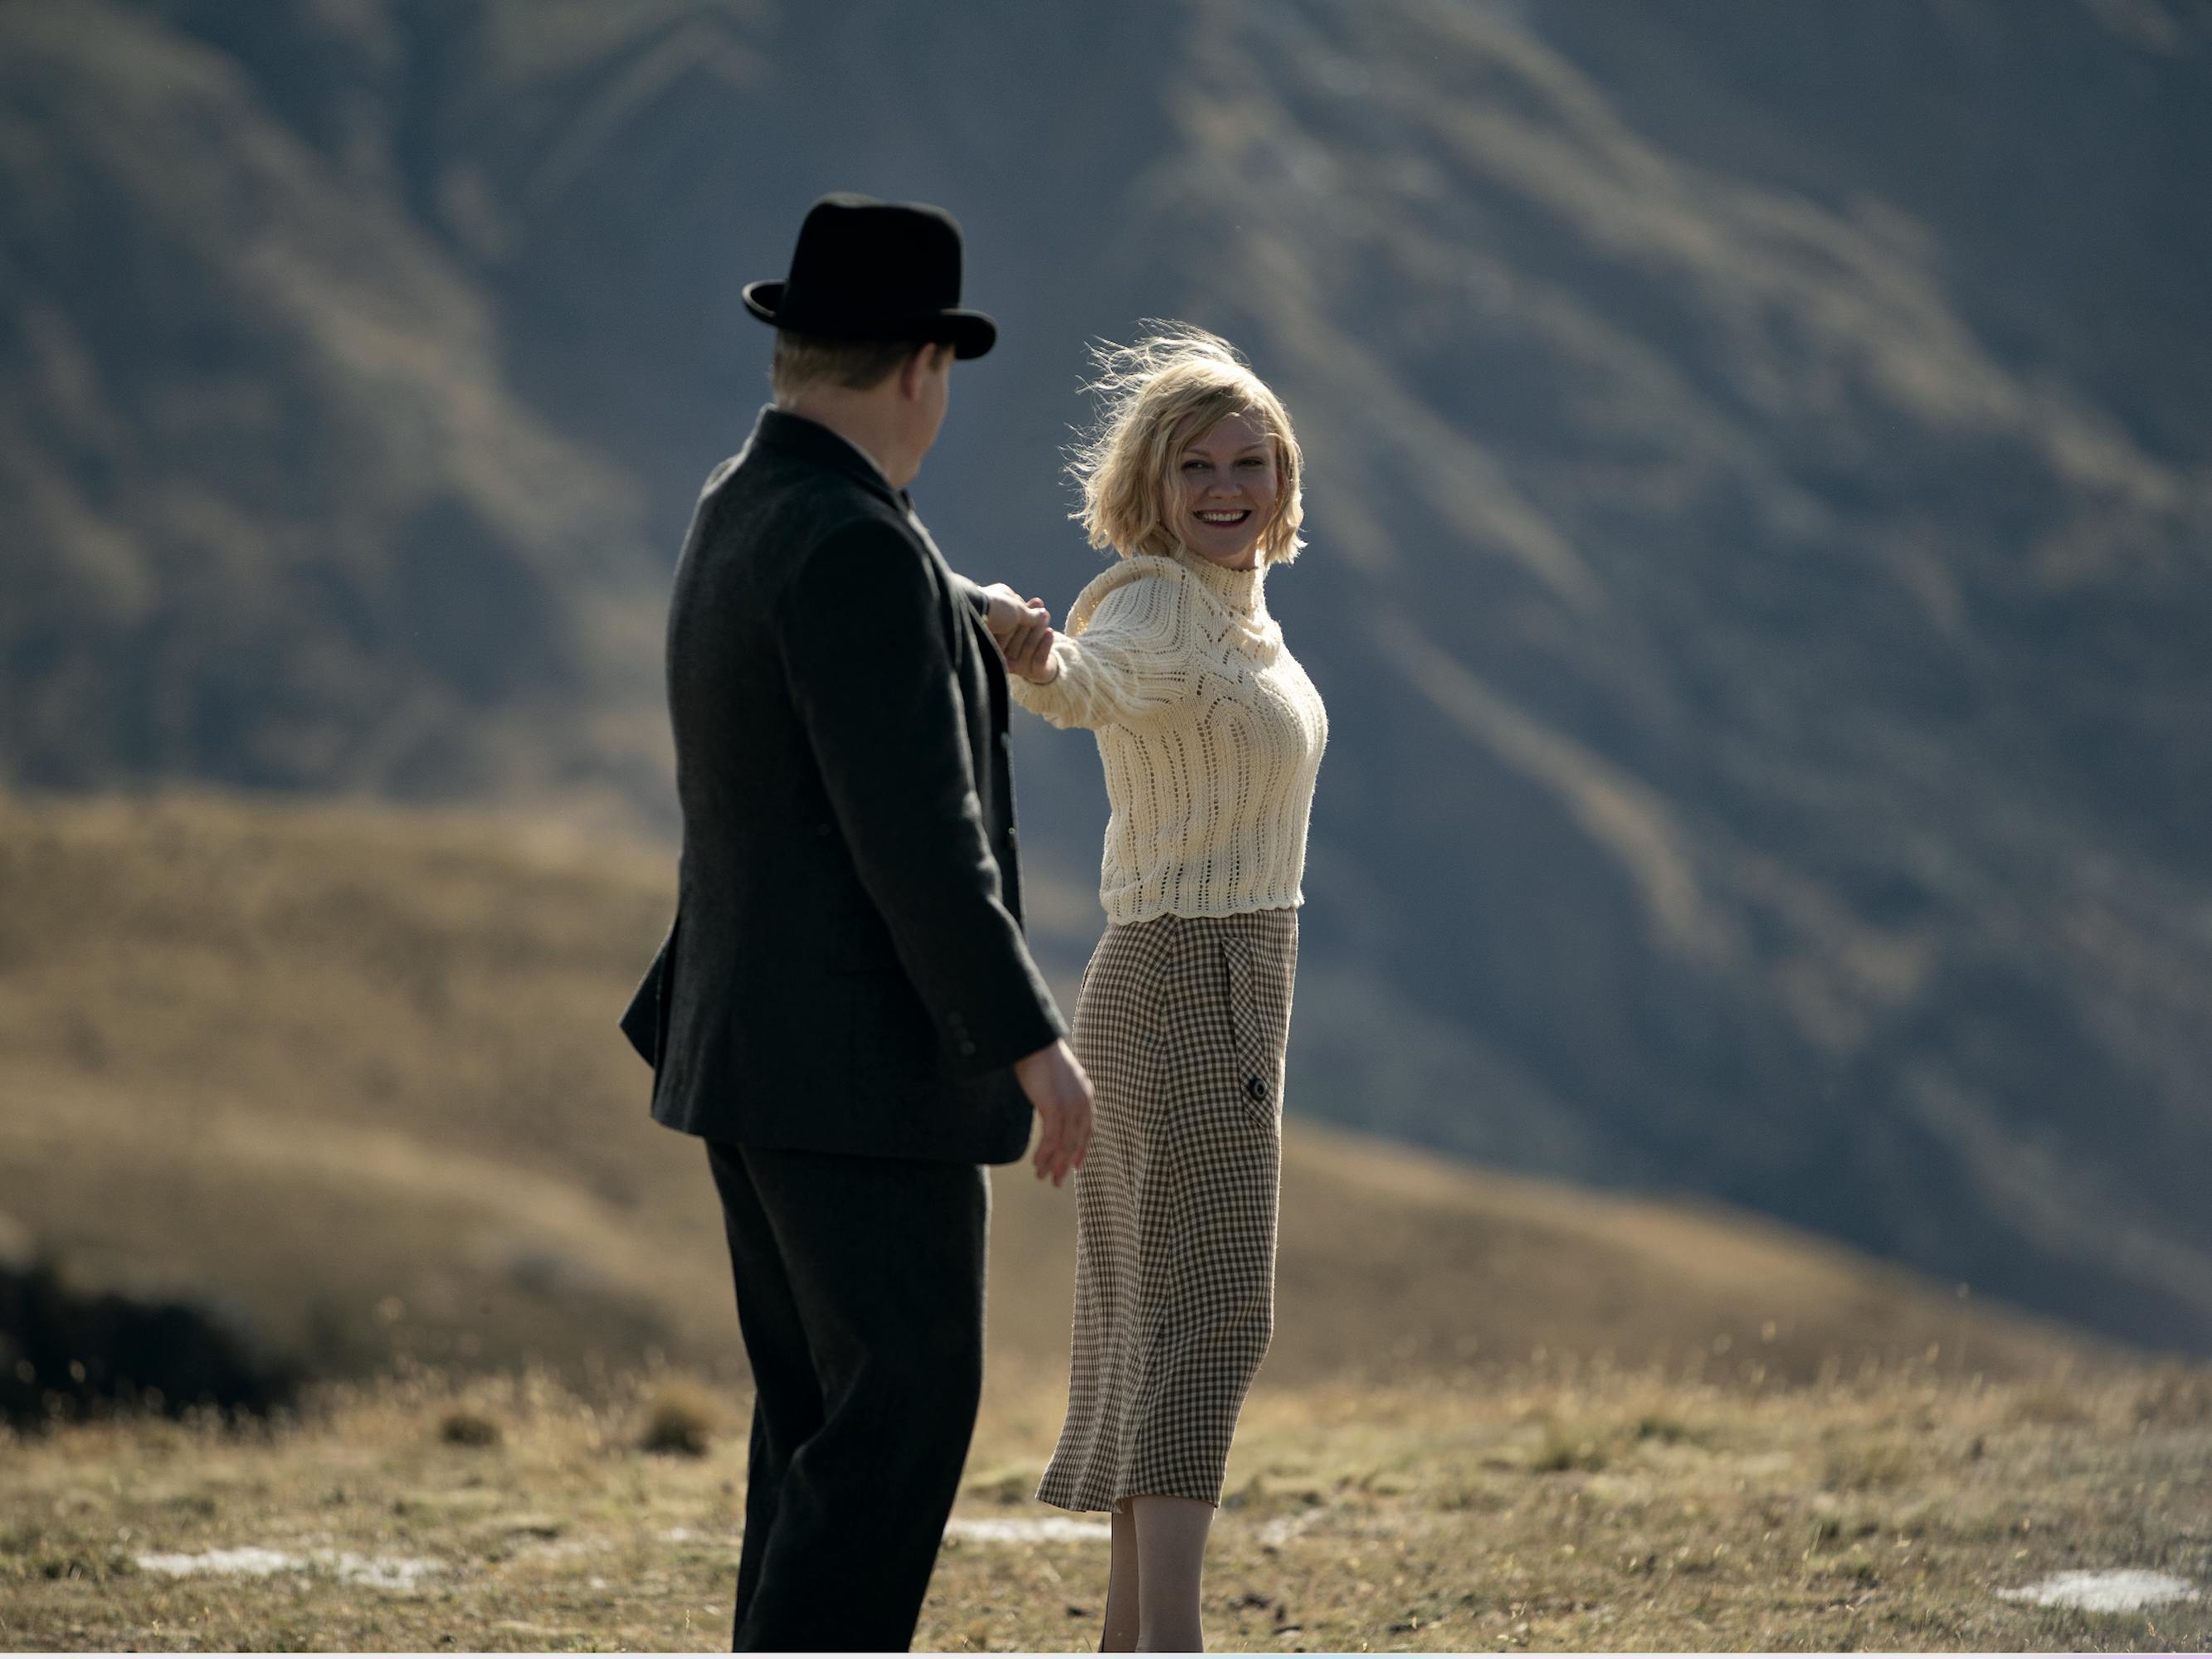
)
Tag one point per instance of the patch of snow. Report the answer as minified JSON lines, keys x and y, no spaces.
{"x":377,"y":1571}
{"x":395,"y":1573}
{"x":252,"y":1561}
{"x":1048,"y":1529}
{"x":2112,"y":1589}
{"x":558,"y":1549}
{"x":1284,"y":1528}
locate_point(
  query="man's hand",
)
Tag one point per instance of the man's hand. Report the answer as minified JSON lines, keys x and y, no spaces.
{"x":1061,"y":1094}
{"x":1022,"y":629}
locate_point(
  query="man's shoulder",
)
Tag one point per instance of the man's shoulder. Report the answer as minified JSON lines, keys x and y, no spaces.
{"x":775,"y":470}
{"x":884,"y":551}
{"x":760,"y":494}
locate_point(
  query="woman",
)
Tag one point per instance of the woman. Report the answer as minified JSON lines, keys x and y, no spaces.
{"x":1210,"y":735}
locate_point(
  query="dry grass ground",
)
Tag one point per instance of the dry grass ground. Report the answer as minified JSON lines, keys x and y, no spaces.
{"x":1597,"y":1511}
{"x":356,"y":1070}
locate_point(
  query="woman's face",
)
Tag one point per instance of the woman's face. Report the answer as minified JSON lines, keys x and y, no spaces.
{"x":1221,"y":491}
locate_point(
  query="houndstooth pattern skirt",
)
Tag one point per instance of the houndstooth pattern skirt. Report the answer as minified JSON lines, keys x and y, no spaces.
{"x":1180,"y":1023}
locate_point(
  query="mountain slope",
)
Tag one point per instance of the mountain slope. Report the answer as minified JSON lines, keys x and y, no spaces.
{"x":274,"y":518}
{"x":1758,"y":508}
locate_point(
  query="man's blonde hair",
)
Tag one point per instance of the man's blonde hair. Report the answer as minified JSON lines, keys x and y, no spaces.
{"x":803,"y":361}
{"x":1156,"y":397}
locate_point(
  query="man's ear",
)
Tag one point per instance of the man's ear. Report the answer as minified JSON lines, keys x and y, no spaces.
{"x":921,"y":363}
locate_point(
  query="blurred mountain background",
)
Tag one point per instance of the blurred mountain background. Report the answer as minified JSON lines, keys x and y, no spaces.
{"x":1759,"y":508}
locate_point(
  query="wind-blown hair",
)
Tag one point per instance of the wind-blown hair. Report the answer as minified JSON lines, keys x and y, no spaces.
{"x":1155,"y":396}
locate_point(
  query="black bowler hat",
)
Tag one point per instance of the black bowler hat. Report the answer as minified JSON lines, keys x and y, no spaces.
{"x":866,"y":270}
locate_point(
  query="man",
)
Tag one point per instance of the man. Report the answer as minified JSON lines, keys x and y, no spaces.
{"x":845,"y":1010}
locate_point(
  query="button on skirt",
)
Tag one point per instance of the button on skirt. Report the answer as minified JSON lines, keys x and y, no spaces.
{"x":1180,"y":1023}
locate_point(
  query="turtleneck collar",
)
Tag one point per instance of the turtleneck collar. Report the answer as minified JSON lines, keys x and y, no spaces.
{"x":1242,"y":591}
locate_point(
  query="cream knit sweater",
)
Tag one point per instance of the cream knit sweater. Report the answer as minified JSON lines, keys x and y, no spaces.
{"x":1210,"y":732}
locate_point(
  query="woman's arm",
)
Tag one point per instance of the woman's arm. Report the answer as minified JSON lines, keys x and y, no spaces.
{"x":1022,"y":627}
{"x":1132,"y":658}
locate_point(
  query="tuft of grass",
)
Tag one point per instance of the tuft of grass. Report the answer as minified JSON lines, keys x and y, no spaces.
{"x":2174,"y":1396}
{"x":464,"y":1426}
{"x":1863,"y":1465}
{"x":683,"y":1419}
{"x":1010,"y":1484}
{"x":1566,"y":1447}
{"x":1668,"y":1430}
{"x":2051,"y":1402}
{"x":91,"y":1566}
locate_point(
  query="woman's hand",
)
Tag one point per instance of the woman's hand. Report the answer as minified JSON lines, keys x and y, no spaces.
{"x":1022,"y":629}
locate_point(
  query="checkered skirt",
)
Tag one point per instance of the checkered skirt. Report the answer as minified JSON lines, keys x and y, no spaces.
{"x":1180,"y":1023}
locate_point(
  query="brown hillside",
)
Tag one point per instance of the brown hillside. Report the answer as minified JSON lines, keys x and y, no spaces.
{"x":356,"y":1070}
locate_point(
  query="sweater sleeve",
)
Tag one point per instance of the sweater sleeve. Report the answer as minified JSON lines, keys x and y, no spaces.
{"x":1131,"y":659}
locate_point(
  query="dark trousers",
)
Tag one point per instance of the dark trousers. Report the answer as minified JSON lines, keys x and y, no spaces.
{"x":859,"y":1287}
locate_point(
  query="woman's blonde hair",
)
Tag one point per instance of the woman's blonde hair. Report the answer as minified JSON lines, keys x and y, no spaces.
{"x":1157,"y":395}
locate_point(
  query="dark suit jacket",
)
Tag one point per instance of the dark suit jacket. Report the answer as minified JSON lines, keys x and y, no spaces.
{"x":847,"y":972}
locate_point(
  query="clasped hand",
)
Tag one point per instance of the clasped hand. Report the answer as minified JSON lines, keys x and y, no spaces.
{"x":1022,"y":629}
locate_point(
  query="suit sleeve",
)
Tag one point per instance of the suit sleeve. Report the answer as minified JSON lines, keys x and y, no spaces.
{"x":877,"y":689}
{"x":972,"y":592}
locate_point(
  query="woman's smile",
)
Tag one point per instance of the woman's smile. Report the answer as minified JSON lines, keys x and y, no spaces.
{"x":1224,"y":489}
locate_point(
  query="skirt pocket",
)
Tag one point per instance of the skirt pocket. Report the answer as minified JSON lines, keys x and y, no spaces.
{"x":1257,"y":1058}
